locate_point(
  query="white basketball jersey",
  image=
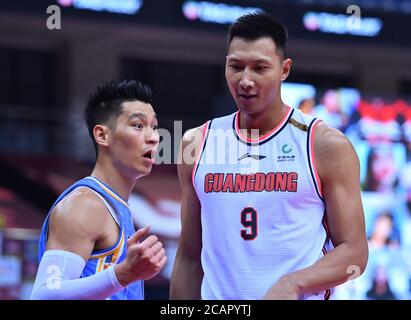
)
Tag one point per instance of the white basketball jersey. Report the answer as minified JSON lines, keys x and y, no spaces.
{"x":262,"y":211}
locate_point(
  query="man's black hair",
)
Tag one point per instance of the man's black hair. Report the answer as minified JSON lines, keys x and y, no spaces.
{"x":257,"y":25}
{"x":105,"y":104}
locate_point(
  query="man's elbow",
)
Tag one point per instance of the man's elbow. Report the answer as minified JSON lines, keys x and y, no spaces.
{"x":361,"y":256}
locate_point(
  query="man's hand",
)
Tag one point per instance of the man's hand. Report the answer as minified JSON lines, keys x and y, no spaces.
{"x":144,"y":260}
{"x":284,"y":289}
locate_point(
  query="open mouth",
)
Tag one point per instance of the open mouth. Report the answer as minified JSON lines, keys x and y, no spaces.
{"x":149,"y":157}
{"x":149,"y":154}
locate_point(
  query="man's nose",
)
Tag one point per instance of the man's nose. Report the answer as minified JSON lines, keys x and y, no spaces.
{"x":246,"y":81}
{"x":153,"y":137}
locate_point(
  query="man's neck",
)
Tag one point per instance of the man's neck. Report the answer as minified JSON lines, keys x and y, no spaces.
{"x":264,"y":121}
{"x":122,"y":185}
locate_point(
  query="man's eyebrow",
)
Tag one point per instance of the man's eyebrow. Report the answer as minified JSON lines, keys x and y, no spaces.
{"x":233,"y":59}
{"x":138,"y":115}
{"x":263,"y":60}
{"x":141,"y":116}
{"x":260,"y":60}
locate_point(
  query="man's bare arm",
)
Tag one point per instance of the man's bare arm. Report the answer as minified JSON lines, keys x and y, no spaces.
{"x":187,"y":271}
{"x":77,"y":222}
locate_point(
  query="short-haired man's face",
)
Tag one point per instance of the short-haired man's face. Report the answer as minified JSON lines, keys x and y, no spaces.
{"x":254,"y":71}
{"x":133,"y":142}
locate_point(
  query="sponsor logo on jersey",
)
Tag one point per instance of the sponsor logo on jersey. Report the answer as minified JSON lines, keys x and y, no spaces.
{"x":286,"y":149}
{"x":252,"y":156}
{"x":286,"y":154}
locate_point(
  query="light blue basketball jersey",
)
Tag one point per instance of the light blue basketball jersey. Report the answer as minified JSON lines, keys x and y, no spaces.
{"x":101,"y":260}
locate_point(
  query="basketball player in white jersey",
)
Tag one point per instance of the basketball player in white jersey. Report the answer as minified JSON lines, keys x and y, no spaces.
{"x":290,"y":225}
{"x":88,"y":246}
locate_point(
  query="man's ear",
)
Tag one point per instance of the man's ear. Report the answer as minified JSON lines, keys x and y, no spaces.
{"x":286,"y":68}
{"x":101,"y":134}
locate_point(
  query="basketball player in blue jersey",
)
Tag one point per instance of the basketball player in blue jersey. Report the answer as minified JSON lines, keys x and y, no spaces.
{"x":88,"y":246}
{"x":265,"y":231}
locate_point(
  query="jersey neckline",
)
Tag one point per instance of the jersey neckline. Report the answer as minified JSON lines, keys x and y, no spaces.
{"x":109,"y":190}
{"x":268,"y":136}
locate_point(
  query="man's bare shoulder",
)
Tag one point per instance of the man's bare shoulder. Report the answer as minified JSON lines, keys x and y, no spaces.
{"x":334,"y":154}
{"x":331,"y":142}
{"x":190,"y":145}
{"x":193,"y":135}
{"x":81,"y":212}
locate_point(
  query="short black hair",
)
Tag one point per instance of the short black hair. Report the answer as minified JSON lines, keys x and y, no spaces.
{"x":256,"y":25}
{"x":105,"y":104}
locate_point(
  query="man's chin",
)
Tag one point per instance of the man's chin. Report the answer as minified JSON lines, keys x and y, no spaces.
{"x":146,"y":171}
{"x":142,"y":172}
{"x":248,"y":108}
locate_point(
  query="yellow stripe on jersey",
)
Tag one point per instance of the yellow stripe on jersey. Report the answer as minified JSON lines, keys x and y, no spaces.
{"x":119,"y":248}
{"x":298,"y":124}
{"x":111,"y":193}
{"x":100,"y":264}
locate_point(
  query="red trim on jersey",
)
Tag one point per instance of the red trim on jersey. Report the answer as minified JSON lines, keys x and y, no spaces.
{"x":203,"y":134}
{"x":317,"y":180}
{"x":325,"y":224}
{"x":327,"y":293}
{"x":268,"y":134}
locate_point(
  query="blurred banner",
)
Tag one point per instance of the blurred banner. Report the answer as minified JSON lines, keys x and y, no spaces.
{"x":366,"y":22}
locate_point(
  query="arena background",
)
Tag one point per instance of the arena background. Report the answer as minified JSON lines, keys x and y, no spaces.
{"x":353,"y":74}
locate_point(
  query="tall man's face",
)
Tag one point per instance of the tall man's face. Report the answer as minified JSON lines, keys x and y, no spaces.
{"x":254,"y":71}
